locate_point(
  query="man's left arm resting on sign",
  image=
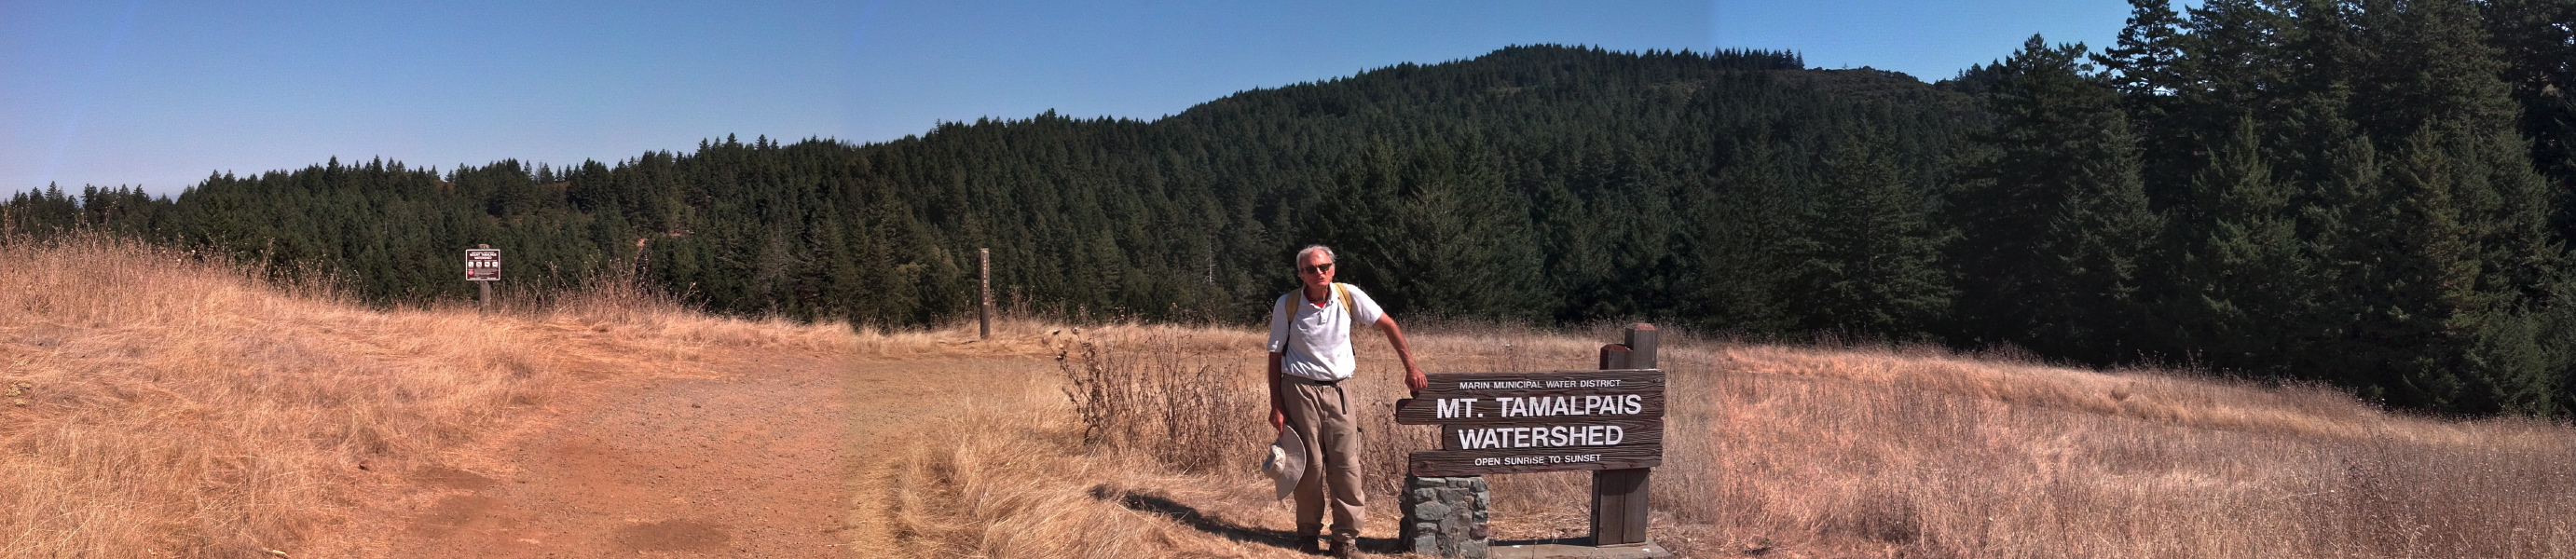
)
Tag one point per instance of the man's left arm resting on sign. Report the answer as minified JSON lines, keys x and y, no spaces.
{"x":1413,"y":377}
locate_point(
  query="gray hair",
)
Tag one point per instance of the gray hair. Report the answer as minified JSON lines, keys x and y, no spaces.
{"x":1300,"y":259}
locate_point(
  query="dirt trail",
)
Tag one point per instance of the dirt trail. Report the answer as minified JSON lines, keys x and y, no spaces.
{"x":890,"y":399}
{"x":761,"y":460}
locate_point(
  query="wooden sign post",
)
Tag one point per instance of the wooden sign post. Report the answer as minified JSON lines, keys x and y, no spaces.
{"x":1609,"y":421}
{"x":1619,"y":495}
{"x":483,"y":266}
{"x":984,"y":270}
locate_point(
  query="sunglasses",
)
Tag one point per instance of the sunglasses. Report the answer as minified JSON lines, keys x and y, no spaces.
{"x":1315,"y":269}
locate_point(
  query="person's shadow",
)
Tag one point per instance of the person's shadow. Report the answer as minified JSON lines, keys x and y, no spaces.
{"x":1191,"y":517}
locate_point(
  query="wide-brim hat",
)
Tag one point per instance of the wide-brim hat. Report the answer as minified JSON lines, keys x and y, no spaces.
{"x":1286,"y":462}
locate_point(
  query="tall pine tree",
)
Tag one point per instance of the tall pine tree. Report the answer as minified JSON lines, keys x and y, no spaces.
{"x":2055,"y":224}
{"x":1867,"y":262}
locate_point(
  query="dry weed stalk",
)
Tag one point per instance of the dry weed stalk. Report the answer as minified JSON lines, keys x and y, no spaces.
{"x":1185,"y":410}
{"x":1196,"y":400}
{"x":1012,"y":477}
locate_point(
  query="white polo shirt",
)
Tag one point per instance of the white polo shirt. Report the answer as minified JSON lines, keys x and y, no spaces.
{"x":1322,"y":345}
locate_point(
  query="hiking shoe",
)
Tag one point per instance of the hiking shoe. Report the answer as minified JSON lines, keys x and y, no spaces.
{"x":1346,"y":547}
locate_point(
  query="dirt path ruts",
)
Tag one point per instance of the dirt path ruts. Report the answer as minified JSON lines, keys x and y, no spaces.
{"x":747,"y":465}
{"x":773,"y":459}
{"x":892,"y":398}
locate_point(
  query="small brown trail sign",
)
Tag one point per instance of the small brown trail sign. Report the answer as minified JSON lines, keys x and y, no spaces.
{"x":482,"y":264}
{"x":1494,"y":423}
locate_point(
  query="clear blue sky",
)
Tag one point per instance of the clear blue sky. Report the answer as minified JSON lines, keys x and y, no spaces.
{"x":159,"y":93}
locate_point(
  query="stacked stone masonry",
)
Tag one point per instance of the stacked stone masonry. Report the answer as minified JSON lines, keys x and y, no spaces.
{"x":1445,"y":516}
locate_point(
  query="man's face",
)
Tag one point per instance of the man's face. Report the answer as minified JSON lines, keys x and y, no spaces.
{"x":1316,"y":269}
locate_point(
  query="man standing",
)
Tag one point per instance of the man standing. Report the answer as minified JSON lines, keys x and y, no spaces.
{"x":1310,"y":356}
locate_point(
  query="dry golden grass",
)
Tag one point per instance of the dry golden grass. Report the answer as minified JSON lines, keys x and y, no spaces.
{"x":1924,"y":454}
{"x":159,"y":406}
{"x":1777,"y":452}
{"x":1001,"y":482}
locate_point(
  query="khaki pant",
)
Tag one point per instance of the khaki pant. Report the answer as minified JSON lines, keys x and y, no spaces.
{"x":1321,"y":414}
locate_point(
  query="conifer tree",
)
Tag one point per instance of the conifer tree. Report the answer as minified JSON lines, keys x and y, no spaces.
{"x":1867,"y":261}
{"x":2054,"y":222}
{"x":2536,"y":40}
{"x":2147,"y":64}
{"x":2238,"y":259}
{"x":1434,"y":232}
{"x":1750,"y":208}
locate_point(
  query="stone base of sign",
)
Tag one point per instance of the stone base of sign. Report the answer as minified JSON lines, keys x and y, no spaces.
{"x":1445,"y":516}
{"x":1576,"y":549}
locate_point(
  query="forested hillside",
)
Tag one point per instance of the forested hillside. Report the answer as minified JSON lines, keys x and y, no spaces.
{"x":2368,"y":193}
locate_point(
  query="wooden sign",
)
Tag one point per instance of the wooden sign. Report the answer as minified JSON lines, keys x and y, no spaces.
{"x":1493,"y":423}
{"x":482,"y":264}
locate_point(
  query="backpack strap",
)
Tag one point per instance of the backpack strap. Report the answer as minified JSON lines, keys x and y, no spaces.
{"x":1342,"y":291}
{"x":1288,"y":304}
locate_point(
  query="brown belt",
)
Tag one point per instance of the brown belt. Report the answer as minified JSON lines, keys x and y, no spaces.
{"x":1336,"y":382}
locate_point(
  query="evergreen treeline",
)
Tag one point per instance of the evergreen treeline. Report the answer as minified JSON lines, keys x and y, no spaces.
{"x":2367,"y":193}
{"x":2371,"y":193}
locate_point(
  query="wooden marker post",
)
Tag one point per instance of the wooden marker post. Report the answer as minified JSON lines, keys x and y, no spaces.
{"x":1619,"y":496}
{"x":483,"y":266}
{"x":984,"y":270}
